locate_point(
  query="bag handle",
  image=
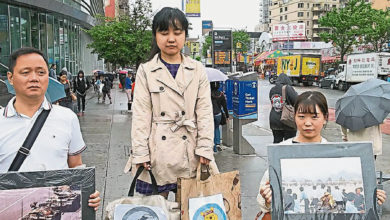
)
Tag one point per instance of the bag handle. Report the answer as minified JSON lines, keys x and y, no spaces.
{"x":284,"y":94}
{"x":137,"y":174}
{"x":24,"y":150}
{"x":199,"y":171}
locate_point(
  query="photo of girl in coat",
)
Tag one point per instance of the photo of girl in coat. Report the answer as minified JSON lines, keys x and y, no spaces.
{"x":172,"y":110}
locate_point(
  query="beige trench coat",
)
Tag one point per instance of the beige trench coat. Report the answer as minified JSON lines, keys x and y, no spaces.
{"x":372,"y":134}
{"x":172,"y":123}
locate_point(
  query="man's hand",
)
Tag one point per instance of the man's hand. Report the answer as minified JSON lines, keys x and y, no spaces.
{"x":204,"y":160}
{"x":94,"y":200}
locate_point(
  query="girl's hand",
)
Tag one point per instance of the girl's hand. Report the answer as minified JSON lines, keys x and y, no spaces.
{"x":266,"y":193}
{"x":146,"y":165}
{"x":381,"y":195}
{"x":94,"y":200}
{"x":204,"y":161}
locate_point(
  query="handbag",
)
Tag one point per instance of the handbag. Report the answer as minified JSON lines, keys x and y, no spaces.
{"x":288,"y":115}
{"x":72,"y":95}
{"x":154,"y":204}
{"x":227,"y":184}
{"x":223,"y":119}
{"x":24,"y":150}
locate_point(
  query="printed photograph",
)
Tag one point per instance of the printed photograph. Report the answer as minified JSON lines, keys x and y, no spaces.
{"x":322,"y":185}
{"x":48,"y":203}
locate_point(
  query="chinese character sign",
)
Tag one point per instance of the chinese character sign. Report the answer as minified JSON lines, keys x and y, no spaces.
{"x":290,"y":31}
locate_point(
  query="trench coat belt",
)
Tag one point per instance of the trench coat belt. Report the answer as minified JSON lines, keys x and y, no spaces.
{"x":178,"y":122}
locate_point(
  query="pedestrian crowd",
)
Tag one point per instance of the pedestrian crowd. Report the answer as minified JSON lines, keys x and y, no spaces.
{"x":176,"y":118}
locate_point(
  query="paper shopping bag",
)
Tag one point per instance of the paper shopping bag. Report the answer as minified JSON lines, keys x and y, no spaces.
{"x":226,"y":184}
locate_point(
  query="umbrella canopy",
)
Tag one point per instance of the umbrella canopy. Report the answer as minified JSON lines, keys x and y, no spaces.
{"x":54,"y":92}
{"x":364,"y":105}
{"x":123,"y":71}
{"x":215,"y":75}
{"x":275,"y":54}
{"x":5,"y":96}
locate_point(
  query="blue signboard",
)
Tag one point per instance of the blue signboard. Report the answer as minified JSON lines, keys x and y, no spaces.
{"x":245,"y":99}
{"x":228,"y":87}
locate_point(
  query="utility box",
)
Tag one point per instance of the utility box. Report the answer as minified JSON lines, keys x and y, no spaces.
{"x":227,"y":130}
{"x":245,"y":108}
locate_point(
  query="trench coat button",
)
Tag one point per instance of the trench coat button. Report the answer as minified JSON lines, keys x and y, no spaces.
{"x":183,"y":112}
{"x":161,"y":88}
{"x":162,"y":113}
{"x":184,"y":137}
{"x":163,"y":138}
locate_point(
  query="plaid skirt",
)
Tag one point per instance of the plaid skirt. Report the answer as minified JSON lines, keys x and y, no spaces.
{"x":146,"y":188}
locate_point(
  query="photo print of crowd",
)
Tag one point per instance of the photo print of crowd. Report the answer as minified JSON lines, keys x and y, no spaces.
{"x":322,"y":185}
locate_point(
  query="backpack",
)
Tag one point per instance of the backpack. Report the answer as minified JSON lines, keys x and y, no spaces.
{"x":107,"y":85}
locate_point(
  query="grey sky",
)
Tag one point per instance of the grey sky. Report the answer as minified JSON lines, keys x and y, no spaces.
{"x":236,"y":14}
{"x":319,"y":168}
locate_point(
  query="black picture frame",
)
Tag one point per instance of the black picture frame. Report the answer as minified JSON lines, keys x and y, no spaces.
{"x":83,"y":177}
{"x":362,"y":150}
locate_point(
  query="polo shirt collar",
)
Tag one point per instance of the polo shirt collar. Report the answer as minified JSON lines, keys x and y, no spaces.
{"x":10,"y":110}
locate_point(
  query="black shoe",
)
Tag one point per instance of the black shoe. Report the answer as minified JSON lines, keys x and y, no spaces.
{"x":219,"y":148}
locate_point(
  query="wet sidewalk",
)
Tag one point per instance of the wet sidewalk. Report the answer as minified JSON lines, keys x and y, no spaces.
{"x":106,"y":131}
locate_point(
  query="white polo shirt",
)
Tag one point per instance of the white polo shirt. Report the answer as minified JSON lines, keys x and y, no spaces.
{"x":59,"y":137}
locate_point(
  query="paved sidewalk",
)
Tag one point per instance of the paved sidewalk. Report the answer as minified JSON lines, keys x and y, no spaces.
{"x":106,"y":131}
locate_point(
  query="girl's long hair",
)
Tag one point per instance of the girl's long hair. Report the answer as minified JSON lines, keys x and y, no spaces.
{"x":165,"y":18}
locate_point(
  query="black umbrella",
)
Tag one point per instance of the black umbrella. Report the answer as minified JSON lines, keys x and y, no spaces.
{"x":5,"y":96}
{"x":364,"y":105}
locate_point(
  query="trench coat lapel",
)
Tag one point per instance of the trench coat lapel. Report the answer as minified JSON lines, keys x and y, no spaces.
{"x":164,"y":76}
{"x":185,"y":74}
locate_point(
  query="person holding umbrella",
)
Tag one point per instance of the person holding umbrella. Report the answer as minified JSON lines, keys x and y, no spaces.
{"x":362,"y":109}
{"x":219,"y":101}
{"x":172,"y":110}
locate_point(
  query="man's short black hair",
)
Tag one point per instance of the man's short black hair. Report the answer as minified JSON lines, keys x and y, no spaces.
{"x":23,"y":51}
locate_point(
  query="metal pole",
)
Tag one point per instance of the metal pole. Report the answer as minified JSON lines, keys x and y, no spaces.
{"x":182,"y":5}
{"x":288,"y":38}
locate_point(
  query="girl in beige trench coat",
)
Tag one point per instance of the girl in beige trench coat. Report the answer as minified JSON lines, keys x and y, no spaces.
{"x":172,"y":124}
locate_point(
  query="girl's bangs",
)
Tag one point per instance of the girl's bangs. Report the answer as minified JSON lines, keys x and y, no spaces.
{"x":307,"y":108}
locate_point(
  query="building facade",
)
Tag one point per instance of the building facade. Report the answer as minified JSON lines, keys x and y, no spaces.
{"x":301,"y":11}
{"x":264,"y":16}
{"x":55,"y":27}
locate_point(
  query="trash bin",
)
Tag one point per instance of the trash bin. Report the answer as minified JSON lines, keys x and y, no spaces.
{"x":245,"y":93}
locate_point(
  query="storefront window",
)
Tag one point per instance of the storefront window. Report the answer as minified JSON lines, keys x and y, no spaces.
{"x":25,"y":27}
{"x":50,"y":38}
{"x":34,"y":29}
{"x":42,"y":32}
{"x":57,"y":44}
{"x":4,"y":38}
{"x":62,"y":44}
{"x":15,"y":28}
{"x":66,"y":44}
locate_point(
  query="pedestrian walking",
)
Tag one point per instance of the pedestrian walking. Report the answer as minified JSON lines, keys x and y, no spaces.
{"x":172,"y":110}
{"x":52,"y":71}
{"x":99,"y":87}
{"x":219,"y":102}
{"x":106,"y":89}
{"x":80,"y":87}
{"x":67,"y":100}
{"x":69,"y":74}
{"x":59,"y":143}
{"x":281,"y":131}
{"x":311,"y":114}
{"x":128,"y":88}
{"x":371,"y":134}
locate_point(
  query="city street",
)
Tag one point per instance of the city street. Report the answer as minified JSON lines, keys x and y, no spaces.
{"x":106,"y":131}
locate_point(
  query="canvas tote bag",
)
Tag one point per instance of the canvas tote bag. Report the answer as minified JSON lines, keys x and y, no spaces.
{"x":228,"y":184}
{"x":170,"y":209}
{"x":288,"y":115}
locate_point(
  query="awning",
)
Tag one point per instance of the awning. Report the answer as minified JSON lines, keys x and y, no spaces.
{"x":262,"y":57}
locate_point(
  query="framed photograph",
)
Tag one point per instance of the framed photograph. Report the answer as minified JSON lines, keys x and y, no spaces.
{"x":323,"y":181}
{"x":54,"y":194}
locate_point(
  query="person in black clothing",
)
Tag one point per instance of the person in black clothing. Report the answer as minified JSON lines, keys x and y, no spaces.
{"x":80,"y":87}
{"x":107,"y":89}
{"x":219,"y":101}
{"x":67,"y":100}
{"x":281,"y":131}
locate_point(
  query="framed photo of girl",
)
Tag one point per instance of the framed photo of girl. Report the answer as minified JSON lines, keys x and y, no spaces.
{"x":323,"y":181}
{"x":54,"y":194}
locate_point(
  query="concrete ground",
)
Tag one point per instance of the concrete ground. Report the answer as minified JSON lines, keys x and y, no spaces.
{"x":106,"y":131}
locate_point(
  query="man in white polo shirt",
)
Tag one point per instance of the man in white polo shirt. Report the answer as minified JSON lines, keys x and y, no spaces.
{"x":59,"y":143}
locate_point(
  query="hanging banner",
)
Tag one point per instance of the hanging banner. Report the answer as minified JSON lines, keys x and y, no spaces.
{"x":193,"y":8}
{"x":207,"y":26}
